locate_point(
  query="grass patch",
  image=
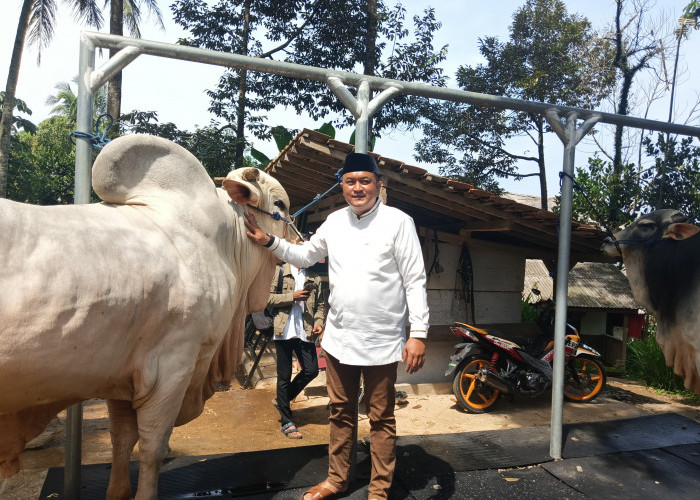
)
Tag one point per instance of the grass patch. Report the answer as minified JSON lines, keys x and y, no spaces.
{"x":645,"y":362}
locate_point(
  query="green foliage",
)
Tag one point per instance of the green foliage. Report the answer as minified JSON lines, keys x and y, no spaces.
{"x":65,"y":101}
{"x":672,"y":181}
{"x":260,"y":157}
{"x":282,"y":136}
{"x":19,"y":122}
{"x":692,"y":11}
{"x":645,"y":361}
{"x":214,"y":145}
{"x":551,"y":56}
{"x":592,"y":194}
{"x":42,"y":166}
{"x":372,"y":141}
{"x":320,"y":33}
{"x":327,"y":129}
{"x":528,"y":311}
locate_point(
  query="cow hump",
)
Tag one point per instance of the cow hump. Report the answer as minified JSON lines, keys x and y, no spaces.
{"x":135,"y":168}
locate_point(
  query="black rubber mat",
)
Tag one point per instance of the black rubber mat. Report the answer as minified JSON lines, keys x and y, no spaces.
{"x":447,"y":453}
{"x":532,"y":483}
{"x":641,"y":433}
{"x":634,"y":475}
{"x":239,"y":475}
{"x":647,"y":455}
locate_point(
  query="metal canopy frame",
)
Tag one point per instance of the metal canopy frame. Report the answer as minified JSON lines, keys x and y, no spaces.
{"x":562,"y":119}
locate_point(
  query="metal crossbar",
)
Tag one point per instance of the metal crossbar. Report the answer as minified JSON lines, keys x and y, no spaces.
{"x":562,"y":119}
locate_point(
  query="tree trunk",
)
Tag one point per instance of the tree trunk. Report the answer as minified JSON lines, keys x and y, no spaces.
{"x":541,"y":164}
{"x":114,"y":88}
{"x":615,"y":205}
{"x":10,"y":89}
{"x":371,"y":39}
{"x":370,"y":64}
{"x":242,"y":75}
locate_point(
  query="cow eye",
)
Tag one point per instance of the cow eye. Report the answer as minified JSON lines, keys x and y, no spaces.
{"x":280,"y":204}
{"x":647,"y":225}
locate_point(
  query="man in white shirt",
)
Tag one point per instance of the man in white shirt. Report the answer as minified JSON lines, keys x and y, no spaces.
{"x":376,"y":275}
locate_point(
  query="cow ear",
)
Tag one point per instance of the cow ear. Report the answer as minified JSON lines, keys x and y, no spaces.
{"x":240,"y":193}
{"x":681,"y":231}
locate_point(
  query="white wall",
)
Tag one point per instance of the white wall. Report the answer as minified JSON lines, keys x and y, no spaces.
{"x":498,"y":284}
{"x":593,"y":323}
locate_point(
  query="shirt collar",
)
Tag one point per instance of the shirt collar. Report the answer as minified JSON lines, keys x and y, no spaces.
{"x":369,"y":212}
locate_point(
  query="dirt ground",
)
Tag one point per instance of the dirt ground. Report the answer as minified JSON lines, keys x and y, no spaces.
{"x":237,"y":420}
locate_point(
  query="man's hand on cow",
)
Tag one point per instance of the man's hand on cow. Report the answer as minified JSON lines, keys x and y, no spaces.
{"x":254,"y":232}
{"x":414,"y":354}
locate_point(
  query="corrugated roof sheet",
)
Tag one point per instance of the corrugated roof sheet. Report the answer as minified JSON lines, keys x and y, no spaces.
{"x":592,"y":285}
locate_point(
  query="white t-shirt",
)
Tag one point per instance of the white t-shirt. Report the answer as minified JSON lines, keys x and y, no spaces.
{"x":294,"y":327}
{"x":376,"y":276}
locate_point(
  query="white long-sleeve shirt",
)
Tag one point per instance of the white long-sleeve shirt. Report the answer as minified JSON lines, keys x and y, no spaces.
{"x":376,"y":275}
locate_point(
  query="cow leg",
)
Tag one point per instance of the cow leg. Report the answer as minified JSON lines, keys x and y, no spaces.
{"x":124,"y":433}
{"x":156,"y":419}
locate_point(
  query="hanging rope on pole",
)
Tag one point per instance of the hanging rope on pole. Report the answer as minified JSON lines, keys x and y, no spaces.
{"x":98,"y":140}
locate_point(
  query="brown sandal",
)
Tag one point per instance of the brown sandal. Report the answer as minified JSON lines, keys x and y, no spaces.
{"x":319,"y":492}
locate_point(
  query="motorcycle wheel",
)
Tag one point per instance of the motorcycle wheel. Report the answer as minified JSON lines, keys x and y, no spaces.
{"x":473,"y":395}
{"x":585,"y":379}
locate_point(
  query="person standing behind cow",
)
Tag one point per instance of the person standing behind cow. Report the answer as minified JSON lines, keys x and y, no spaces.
{"x":376,"y":275}
{"x":298,"y":321}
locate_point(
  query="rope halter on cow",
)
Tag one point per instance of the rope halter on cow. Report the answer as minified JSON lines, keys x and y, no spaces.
{"x":278,"y":217}
{"x":290,"y":223}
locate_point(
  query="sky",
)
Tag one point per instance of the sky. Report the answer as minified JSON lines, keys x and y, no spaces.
{"x":176,"y":89}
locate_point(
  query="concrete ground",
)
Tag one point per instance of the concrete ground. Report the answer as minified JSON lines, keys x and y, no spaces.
{"x":237,"y":420}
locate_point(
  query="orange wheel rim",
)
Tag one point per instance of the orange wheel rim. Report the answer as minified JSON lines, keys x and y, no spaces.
{"x":473,"y":396}
{"x":592,"y":380}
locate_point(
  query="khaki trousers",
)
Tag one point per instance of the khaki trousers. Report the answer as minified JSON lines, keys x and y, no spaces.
{"x":343,"y":383}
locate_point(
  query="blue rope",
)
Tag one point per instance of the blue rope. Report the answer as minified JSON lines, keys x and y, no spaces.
{"x":277,"y":216}
{"x":319,"y":197}
{"x":98,"y":140}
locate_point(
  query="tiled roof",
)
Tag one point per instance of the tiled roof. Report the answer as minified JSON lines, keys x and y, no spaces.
{"x":457,"y":211}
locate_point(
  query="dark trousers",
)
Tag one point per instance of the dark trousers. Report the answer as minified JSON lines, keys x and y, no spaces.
{"x":286,"y":390}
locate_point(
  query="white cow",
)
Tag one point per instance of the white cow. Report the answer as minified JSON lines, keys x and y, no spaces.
{"x":139,"y":300}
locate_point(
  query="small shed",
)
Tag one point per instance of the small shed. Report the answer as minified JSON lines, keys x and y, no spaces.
{"x":599,"y":304}
{"x":475,"y":244}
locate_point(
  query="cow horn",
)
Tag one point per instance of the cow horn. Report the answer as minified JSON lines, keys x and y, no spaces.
{"x":251,"y":174}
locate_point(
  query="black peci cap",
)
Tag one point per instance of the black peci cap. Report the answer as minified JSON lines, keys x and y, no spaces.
{"x":360,"y":162}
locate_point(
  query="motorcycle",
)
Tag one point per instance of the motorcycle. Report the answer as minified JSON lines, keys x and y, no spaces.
{"x":484,"y":366}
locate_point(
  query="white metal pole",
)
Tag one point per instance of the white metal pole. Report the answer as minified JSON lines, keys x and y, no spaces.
{"x":81,"y":195}
{"x":570,"y":136}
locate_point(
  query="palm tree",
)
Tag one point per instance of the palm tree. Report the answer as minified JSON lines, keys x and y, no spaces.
{"x":126,"y":12}
{"x":65,"y":101}
{"x":35,"y":25}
